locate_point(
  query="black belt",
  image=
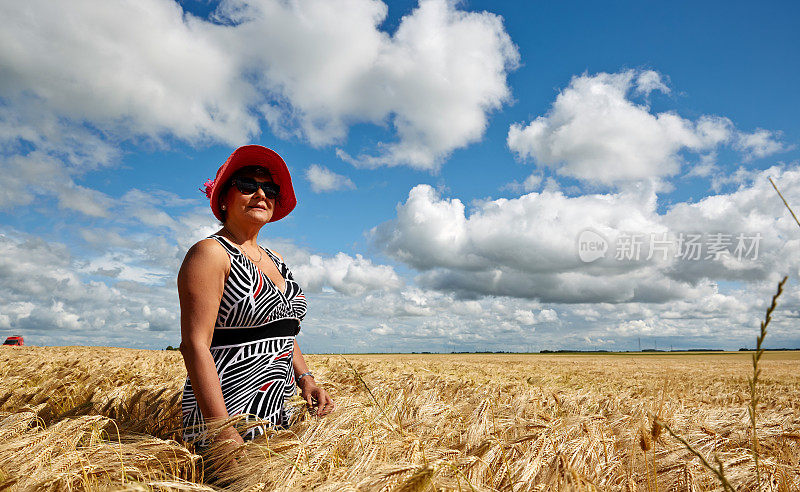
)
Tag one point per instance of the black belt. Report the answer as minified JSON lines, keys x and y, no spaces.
{"x":287,"y":327}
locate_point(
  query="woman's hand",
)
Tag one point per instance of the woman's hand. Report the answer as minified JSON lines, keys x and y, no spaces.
{"x":316,"y":397}
{"x":230,"y":437}
{"x":227,"y":442}
{"x":223,"y":456}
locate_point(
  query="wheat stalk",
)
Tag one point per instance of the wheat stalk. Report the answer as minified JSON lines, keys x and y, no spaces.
{"x":784,"y":201}
{"x":719,"y":471}
{"x":753,"y":381}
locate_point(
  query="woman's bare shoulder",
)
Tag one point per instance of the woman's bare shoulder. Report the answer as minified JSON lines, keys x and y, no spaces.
{"x":207,"y":254}
{"x":208,"y":248}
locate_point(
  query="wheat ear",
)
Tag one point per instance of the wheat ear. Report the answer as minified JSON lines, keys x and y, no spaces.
{"x":719,"y":471}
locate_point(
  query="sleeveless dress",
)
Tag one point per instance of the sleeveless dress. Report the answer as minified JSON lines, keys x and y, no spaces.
{"x":252,"y":345}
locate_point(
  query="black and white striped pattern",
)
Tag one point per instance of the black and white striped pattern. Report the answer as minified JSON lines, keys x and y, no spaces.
{"x":256,"y":375}
{"x":250,"y":298}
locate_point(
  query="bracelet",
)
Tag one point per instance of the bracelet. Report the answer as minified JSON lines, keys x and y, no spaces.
{"x":304,"y":375}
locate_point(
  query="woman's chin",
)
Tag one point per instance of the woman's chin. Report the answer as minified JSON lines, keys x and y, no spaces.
{"x":259,"y":215}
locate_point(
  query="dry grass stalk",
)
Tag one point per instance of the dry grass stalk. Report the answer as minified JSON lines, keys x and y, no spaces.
{"x":784,"y":201}
{"x":752,"y":409}
{"x":753,"y":381}
{"x":719,"y":471}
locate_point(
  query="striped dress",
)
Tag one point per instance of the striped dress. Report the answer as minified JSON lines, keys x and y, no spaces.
{"x":252,"y":345}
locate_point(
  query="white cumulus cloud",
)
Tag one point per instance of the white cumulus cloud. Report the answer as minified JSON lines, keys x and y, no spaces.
{"x":323,"y":179}
{"x":760,"y":143}
{"x":594,"y":131}
{"x":309,"y":69}
{"x":146,"y":68}
{"x":527,"y":247}
{"x":348,"y":275}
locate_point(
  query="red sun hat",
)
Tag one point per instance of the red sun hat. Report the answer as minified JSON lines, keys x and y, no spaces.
{"x":254,"y":155}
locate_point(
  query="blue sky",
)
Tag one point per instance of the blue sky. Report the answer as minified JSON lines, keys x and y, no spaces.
{"x":446,"y":158}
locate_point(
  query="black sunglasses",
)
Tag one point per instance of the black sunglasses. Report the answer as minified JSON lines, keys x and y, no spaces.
{"x":248,"y":186}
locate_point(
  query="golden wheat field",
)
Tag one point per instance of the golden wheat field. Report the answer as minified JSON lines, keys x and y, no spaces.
{"x":91,"y":418}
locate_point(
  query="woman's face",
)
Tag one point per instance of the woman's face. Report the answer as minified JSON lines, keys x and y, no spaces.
{"x":250,"y":208}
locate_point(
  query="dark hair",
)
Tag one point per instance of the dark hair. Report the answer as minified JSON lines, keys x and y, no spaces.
{"x":258,"y":171}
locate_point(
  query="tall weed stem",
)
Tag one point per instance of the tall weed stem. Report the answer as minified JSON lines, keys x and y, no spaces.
{"x":754,"y":399}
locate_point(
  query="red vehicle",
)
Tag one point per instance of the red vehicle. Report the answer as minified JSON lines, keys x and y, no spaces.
{"x":17,"y":341}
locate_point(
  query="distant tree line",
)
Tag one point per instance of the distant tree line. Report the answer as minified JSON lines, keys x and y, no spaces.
{"x":744,"y":349}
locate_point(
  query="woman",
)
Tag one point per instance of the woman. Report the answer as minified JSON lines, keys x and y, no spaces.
{"x":240,"y":306}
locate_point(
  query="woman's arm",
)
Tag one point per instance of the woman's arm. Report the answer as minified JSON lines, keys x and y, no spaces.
{"x":315,"y":396}
{"x":201,"y":281}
